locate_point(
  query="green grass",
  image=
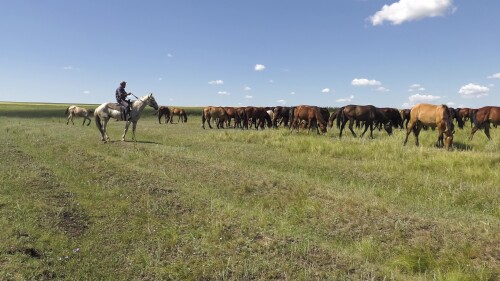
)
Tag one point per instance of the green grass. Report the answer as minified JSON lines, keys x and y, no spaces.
{"x":185,"y":203}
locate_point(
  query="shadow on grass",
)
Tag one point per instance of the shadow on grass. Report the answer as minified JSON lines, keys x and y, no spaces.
{"x":131,"y":141}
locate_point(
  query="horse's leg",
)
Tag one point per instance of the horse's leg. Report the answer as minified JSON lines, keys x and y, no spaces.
{"x":366,"y":129}
{"x":409,"y":129}
{"x":440,"y":142}
{"x":344,"y":121}
{"x":104,"y":126}
{"x":416,"y":132}
{"x":125,"y":131}
{"x":134,"y":125}
{"x":474,"y":130}
{"x":84,"y":119}
{"x":487,"y":130}
{"x":351,"y":123}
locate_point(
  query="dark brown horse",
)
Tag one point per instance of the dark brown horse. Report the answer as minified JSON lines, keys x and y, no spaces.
{"x":258,"y":117}
{"x":368,"y":114}
{"x":465,"y":114}
{"x":217,"y":113}
{"x":311,"y":115}
{"x":405,"y":116}
{"x":163,"y":111}
{"x":232,"y":113}
{"x":179,"y":112}
{"x":483,"y":117}
{"x":281,"y":116}
{"x":432,"y":116}
{"x":455,"y":114}
{"x":393,"y":116}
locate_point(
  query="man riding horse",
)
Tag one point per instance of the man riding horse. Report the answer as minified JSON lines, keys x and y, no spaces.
{"x":121,"y":96}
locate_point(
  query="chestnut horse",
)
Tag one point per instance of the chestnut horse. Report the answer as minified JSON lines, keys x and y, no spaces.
{"x":110,"y":110}
{"x":179,"y":112}
{"x":74,"y":110}
{"x":310,"y":114}
{"x":432,"y":116}
{"x":482,"y":118}
{"x":164,"y":111}
{"x":364,"y":113}
{"x":218,"y":114}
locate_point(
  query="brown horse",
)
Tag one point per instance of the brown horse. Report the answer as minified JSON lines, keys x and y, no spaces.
{"x":483,"y":117}
{"x":455,"y":114}
{"x":432,"y":116}
{"x":232,"y":113}
{"x":163,"y":111}
{"x":393,"y":116}
{"x":465,"y":114}
{"x":312,"y":115}
{"x":217,"y":113}
{"x":405,"y":116}
{"x":74,"y":110}
{"x":179,"y":112}
{"x":364,"y":113}
{"x":258,"y":117}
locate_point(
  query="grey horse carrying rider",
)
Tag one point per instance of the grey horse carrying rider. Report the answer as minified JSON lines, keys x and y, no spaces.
{"x":121,"y":96}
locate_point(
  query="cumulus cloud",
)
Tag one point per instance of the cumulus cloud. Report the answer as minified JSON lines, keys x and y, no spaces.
{"x":247,"y":88}
{"x":418,"y":98}
{"x":69,"y":67}
{"x":281,"y":101}
{"x":349,"y":99}
{"x":160,"y":78}
{"x":248,"y":97}
{"x":259,"y":67}
{"x":473,"y":91}
{"x":223,"y":93}
{"x":325,"y":90}
{"x":410,"y":10}
{"x":86,"y":92}
{"x":365,"y":82}
{"x":495,"y":76}
{"x":170,"y":55}
{"x":292,"y":93}
{"x":216,"y":82}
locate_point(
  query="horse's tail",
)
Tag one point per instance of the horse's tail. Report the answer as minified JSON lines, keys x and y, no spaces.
{"x":67,"y":110}
{"x":98,"y":124}
{"x":474,"y":118}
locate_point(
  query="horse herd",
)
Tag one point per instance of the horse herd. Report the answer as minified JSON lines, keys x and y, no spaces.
{"x":420,"y":116}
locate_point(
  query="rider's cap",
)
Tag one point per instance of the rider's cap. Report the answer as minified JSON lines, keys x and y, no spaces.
{"x":123,"y":82}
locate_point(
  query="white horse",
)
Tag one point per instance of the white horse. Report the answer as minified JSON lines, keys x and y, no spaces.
{"x":106,"y":111}
{"x":74,"y":110}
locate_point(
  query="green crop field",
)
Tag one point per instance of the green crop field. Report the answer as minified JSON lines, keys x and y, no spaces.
{"x":183,"y":203}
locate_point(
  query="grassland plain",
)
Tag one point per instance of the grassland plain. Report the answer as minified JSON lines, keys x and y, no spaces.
{"x":183,"y":203}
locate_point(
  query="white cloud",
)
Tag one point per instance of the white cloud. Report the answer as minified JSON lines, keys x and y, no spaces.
{"x":259,"y":67}
{"x":410,"y":10}
{"x":382,"y":89}
{"x":365,"y":82}
{"x":248,"y":97}
{"x":418,"y":98}
{"x":160,"y":78}
{"x":247,"y":88}
{"x":349,"y":99}
{"x":69,"y":67}
{"x":86,"y":92}
{"x":494,"y":76}
{"x":473,"y":91}
{"x":216,"y":82}
{"x":170,"y":55}
{"x":292,"y":93}
{"x":271,"y":81}
{"x":325,"y":90}
{"x":281,"y":101}
{"x":223,"y":93}
{"x":416,"y":87}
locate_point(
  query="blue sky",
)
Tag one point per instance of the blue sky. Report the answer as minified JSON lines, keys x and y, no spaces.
{"x":256,"y":52}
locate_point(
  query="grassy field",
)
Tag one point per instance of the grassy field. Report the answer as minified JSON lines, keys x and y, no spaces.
{"x":183,"y":203}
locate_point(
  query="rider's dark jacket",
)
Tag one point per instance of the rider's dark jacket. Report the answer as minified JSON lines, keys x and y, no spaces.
{"x":120,"y":94}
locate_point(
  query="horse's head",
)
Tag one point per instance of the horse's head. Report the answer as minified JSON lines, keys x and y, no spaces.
{"x":150,"y":100}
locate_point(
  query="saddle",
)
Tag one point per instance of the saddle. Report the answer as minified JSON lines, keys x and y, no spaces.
{"x":118,"y":107}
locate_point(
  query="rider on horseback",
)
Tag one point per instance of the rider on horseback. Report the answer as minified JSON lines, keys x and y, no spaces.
{"x":121,"y":96}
